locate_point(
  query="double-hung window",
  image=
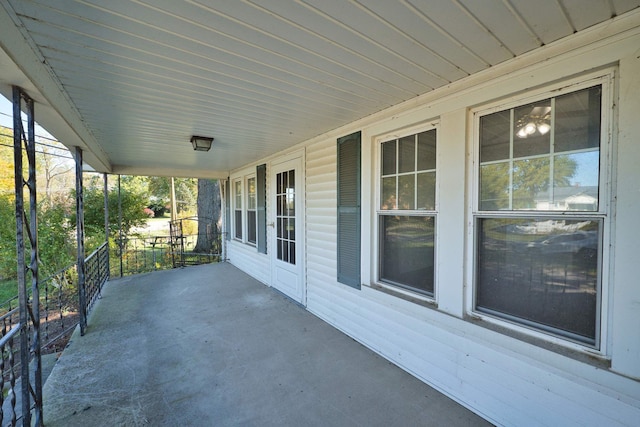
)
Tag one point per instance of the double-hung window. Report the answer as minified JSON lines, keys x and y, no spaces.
{"x":237,"y":209}
{"x":407,"y":212}
{"x":540,"y":213}
{"x":251,"y":210}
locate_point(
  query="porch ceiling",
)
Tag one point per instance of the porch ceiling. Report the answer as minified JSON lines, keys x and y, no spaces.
{"x":131,"y":81}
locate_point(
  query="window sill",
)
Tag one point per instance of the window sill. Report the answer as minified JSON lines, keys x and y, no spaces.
{"x":421,"y":301}
{"x":592,"y":359}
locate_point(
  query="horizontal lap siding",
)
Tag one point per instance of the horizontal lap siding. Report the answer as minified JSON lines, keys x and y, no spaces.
{"x":247,"y":258}
{"x":444,"y":351}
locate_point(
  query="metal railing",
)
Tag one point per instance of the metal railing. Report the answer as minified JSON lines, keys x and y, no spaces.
{"x":96,"y":268}
{"x":135,"y":255}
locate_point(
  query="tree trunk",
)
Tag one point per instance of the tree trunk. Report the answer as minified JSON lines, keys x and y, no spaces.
{"x":208,"y":215}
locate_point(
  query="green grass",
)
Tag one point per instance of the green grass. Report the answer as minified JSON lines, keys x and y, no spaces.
{"x":8,"y":289}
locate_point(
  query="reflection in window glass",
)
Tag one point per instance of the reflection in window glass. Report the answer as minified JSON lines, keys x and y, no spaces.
{"x":580,"y":192}
{"x":407,"y":251}
{"x":540,"y":272}
{"x":237,"y":188}
{"x":525,"y":149}
{"x":541,"y":268}
{"x":406,"y":192}
{"x":530,"y":182}
{"x":577,"y":120}
{"x":251,"y":210}
{"x":494,"y":136}
{"x":494,"y":187}
{"x":407,"y":154}
{"x":427,"y":191}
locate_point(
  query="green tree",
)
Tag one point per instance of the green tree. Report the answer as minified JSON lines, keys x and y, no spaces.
{"x":186,"y":192}
{"x":133,"y":199}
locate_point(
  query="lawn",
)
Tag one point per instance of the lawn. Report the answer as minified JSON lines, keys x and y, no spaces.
{"x":8,"y":289}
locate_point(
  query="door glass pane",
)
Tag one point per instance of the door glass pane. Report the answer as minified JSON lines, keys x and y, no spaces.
{"x":407,"y":256}
{"x":540,"y":271}
{"x":285,"y":216}
{"x":407,"y":154}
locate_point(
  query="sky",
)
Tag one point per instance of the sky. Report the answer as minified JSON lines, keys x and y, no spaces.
{"x":6,"y":118}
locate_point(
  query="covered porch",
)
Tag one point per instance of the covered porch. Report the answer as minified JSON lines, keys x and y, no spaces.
{"x":209,"y":345}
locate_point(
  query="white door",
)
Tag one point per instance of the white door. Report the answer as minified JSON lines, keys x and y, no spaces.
{"x":287,"y":200}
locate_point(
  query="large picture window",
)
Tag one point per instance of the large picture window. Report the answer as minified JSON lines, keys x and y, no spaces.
{"x":407,"y":211}
{"x":539,"y":219}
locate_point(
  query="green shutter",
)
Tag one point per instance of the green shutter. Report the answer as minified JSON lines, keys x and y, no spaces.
{"x":227,"y":208}
{"x":349,"y":210}
{"x":261,"y":199}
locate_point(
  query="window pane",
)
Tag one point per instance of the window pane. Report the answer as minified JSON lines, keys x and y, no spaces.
{"x":427,"y":191}
{"x":238,"y":224}
{"x":494,"y":187}
{"x":427,"y":150}
{"x":494,"y":136}
{"x":251,"y":193}
{"x":238,"y":193}
{"x":388,"y":193}
{"x":577,"y":123}
{"x":532,"y":128}
{"x":575,"y":182}
{"x":406,"y":192}
{"x":406,"y":254}
{"x":407,"y":154}
{"x":530,"y":182}
{"x":540,"y":272}
{"x":389,"y":158}
{"x":251,"y":226}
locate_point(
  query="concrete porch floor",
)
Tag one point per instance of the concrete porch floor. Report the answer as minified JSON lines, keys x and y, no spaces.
{"x":211,"y":346}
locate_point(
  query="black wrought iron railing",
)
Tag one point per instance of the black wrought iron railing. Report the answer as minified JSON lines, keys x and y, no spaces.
{"x":135,"y":255}
{"x":96,"y":268}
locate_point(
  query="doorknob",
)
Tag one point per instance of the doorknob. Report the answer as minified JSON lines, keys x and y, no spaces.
{"x":272,"y":224}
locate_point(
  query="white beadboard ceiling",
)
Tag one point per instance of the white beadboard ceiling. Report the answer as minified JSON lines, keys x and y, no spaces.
{"x":132,"y":80}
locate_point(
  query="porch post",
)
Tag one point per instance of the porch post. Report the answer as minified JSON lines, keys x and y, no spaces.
{"x":120,"y":225}
{"x":82,"y":297}
{"x":106,"y":222}
{"x":29,"y":308}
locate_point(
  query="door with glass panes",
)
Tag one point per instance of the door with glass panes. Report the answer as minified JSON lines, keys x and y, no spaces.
{"x":287,"y":200}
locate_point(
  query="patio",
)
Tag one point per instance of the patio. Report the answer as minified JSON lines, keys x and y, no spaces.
{"x":209,"y":345}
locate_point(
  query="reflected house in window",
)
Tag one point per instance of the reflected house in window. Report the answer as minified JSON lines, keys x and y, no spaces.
{"x":573,"y":198}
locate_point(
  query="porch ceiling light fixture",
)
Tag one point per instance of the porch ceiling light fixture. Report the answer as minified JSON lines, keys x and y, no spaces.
{"x":201,"y":143}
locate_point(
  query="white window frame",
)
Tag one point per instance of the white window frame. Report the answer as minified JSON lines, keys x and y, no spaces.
{"x":377,"y":212}
{"x":605,"y":78}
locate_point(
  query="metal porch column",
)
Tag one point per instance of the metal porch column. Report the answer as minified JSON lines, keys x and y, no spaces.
{"x":106,"y":222}
{"x":82,"y":291}
{"x":29,"y":304}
